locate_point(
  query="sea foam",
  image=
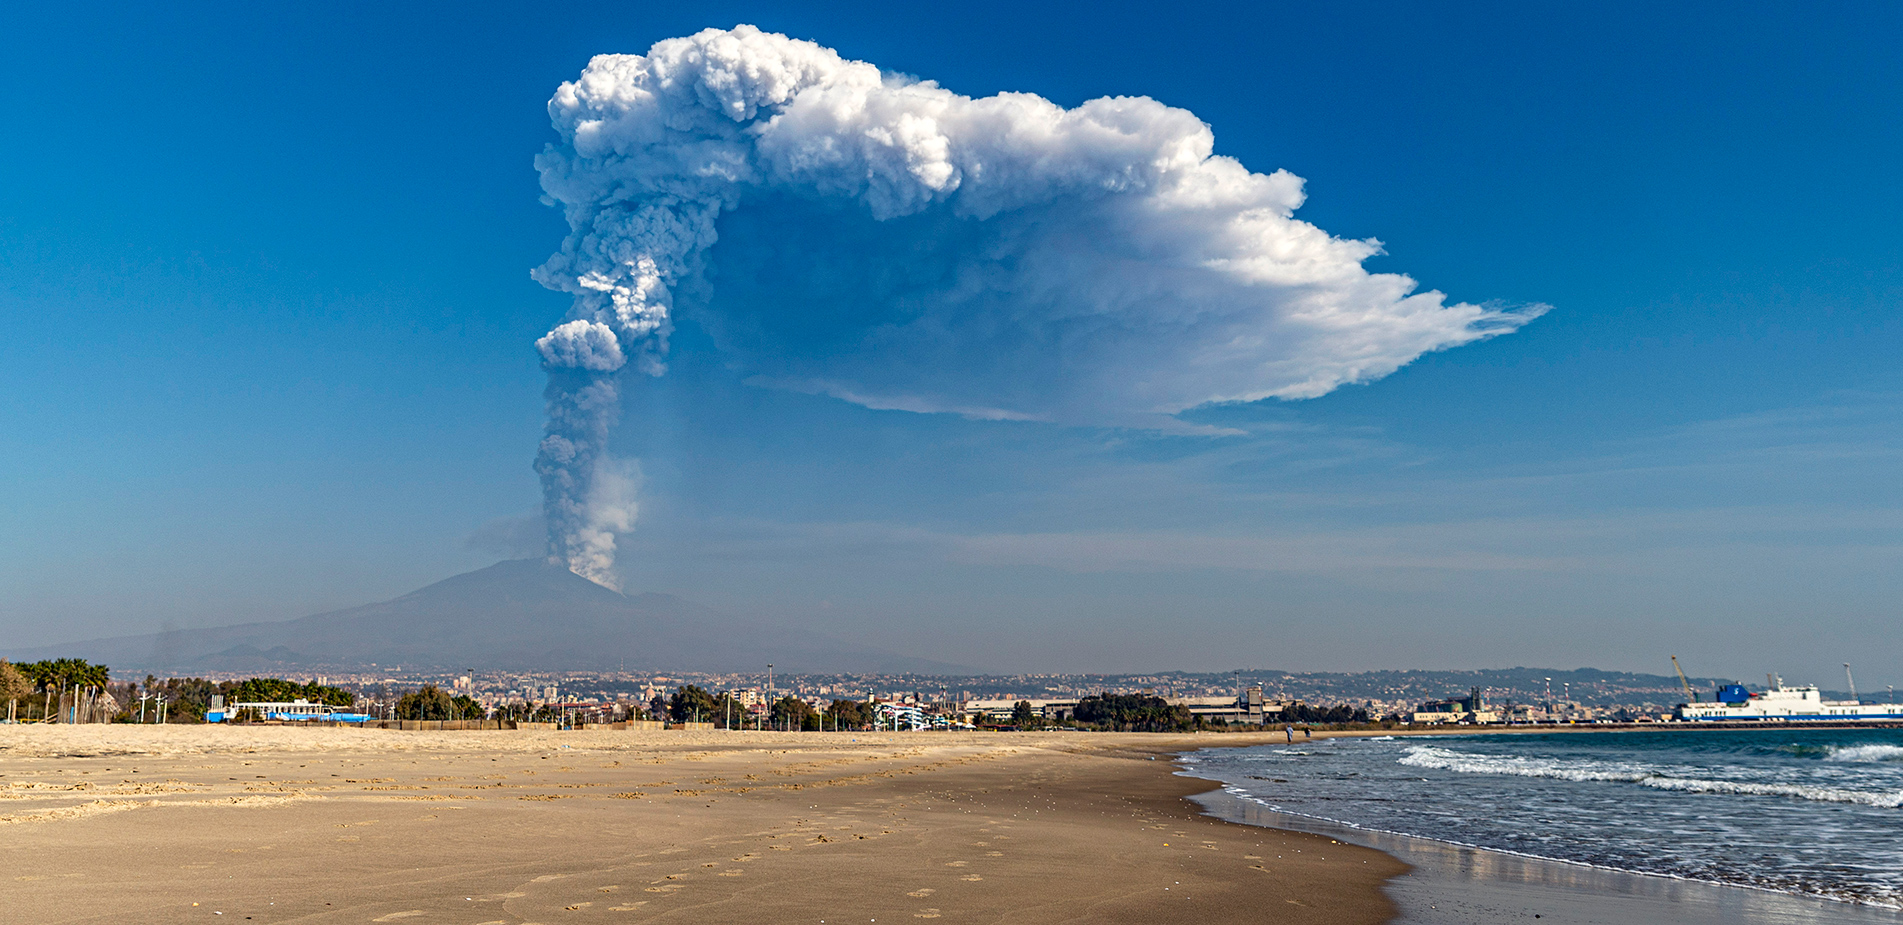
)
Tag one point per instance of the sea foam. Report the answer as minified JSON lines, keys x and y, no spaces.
{"x":1429,"y":756}
{"x":1865,"y":753}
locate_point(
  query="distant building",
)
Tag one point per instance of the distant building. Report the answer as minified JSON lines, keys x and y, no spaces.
{"x":1469,"y":709}
{"x":1002,"y":710}
{"x":900,"y":716}
{"x":1252,"y":708}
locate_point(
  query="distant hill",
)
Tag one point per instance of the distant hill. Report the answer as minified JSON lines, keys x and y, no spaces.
{"x":1522,"y":685}
{"x":1525,"y":685}
{"x":524,"y":614}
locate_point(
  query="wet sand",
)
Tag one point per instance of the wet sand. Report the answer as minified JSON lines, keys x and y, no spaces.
{"x":274,"y":824}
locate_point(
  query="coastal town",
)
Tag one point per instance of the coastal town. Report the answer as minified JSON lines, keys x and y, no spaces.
{"x":72,"y":690}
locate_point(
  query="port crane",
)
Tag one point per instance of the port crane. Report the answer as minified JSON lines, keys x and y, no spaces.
{"x":1689,"y":696}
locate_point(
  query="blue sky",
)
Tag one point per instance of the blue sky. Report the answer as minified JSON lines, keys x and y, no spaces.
{"x":266,"y":334}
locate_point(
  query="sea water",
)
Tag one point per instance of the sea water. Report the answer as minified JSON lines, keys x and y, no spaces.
{"x":1815,"y":812}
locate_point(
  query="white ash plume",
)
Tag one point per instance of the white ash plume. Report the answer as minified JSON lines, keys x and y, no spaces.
{"x":892,"y":243}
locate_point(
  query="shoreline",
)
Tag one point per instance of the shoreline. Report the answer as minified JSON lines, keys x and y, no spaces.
{"x":1449,"y":883}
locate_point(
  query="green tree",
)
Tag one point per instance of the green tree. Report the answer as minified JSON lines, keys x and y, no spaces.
{"x":63,"y":673}
{"x":1339,"y":713}
{"x":727,"y":713}
{"x":468,"y":708}
{"x":428,"y":703}
{"x":56,"y":677}
{"x":187,"y":699}
{"x":278,"y":690}
{"x":691,"y":703}
{"x":790,"y":712}
{"x":1022,"y":716}
{"x":849,"y":714}
{"x":1133,"y":713}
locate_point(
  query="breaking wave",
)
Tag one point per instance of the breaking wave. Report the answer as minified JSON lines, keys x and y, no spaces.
{"x":1430,"y":756}
{"x":1446,"y":759}
{"x":1865,"y":753}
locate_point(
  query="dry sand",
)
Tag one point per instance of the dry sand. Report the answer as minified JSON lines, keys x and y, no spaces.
{"x":276,"y":824}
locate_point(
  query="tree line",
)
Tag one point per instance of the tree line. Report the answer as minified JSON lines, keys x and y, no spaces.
{"x":33,"y":691}
{"x":30,"y":691}
{"x":38,"y":690}
{"x":693,"y":703}
{"x":1146,"y":713}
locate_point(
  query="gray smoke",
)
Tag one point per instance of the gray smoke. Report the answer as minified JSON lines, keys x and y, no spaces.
{"x":900,"y":246}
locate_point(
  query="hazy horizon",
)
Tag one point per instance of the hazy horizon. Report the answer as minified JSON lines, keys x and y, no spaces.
{"x":269,"y":334}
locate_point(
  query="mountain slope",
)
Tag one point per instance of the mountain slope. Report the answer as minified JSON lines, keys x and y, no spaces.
{"x":523,"y":614}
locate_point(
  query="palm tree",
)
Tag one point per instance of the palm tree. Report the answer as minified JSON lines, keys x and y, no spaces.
{"x":60,"y":674}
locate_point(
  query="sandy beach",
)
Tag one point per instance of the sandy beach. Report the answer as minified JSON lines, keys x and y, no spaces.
{"x":275,"y":824}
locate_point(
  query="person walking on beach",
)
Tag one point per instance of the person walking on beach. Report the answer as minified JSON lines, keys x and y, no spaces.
{"x":1290,"y":732}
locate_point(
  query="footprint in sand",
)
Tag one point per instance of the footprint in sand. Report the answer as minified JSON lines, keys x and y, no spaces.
{"x":921,"y":894}
{"x":607,"y":889}
{"x":732,"y":873}
{"x":974,"y":878}
{"x":927,"y":914}
{"x":547,"y":877}
{"x":629,"y":907}
{"x":577,"y":906}
{"x":994,"y":854}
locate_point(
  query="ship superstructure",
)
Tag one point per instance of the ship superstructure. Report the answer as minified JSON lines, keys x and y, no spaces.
{"x":1779,"y":702}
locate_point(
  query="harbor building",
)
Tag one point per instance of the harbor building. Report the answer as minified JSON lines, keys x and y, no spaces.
{"x":1469,"y":709}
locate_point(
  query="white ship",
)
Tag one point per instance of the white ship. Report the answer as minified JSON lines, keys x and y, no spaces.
{"x":1780,"y":703}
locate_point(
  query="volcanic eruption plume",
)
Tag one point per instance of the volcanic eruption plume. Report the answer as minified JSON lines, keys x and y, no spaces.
{"x":894,"y":244}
